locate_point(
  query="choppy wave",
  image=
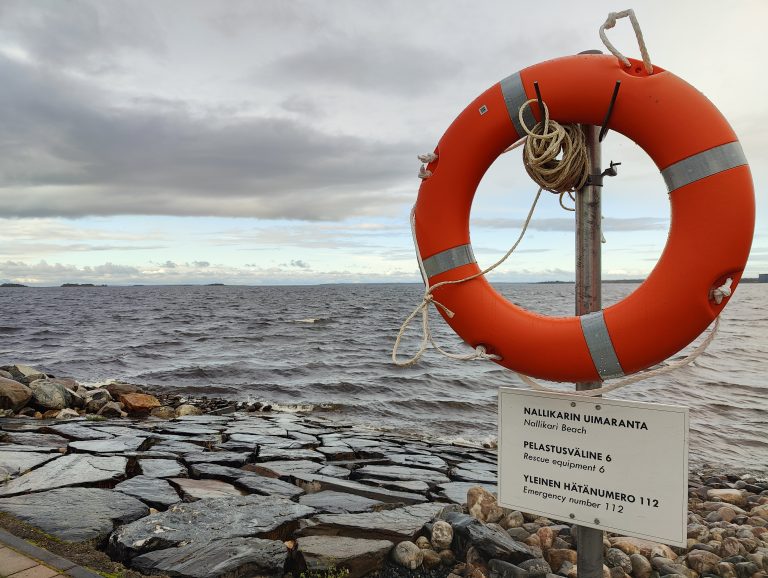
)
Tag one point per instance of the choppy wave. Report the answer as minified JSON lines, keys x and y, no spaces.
{"x":326,"y":349}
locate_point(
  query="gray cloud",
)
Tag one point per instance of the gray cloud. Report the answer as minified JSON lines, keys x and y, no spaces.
{"x":68,"y":152}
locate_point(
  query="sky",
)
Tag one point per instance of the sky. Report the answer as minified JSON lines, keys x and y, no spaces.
{"x":271,"y":142}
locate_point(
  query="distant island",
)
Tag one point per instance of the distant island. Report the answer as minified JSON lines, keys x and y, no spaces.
{"x":215,"y":285}
{"x":13,"y":285}
{"x":81,"y":285}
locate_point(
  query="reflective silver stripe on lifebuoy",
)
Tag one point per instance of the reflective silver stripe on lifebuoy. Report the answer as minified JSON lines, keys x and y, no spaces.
{"x":702,"y":165}
{"x":514,"y":97}
{"x":449,"y":259}
{"x":600,"y":345}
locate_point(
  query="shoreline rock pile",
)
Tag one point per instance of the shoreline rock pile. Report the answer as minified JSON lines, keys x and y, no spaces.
{"x":266,"y":493}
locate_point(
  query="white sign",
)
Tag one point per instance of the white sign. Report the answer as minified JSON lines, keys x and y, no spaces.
{"x":613,"y":465}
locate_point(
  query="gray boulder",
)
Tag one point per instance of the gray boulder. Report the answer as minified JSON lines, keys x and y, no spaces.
{"x":155,"y":492}
{"x":49,"y":394}
{"x":490,"y":542}
{"x":25,"y":374}
{"x":359,"y":556}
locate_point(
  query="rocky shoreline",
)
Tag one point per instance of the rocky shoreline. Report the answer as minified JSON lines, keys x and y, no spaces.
{"x":216,"y":488}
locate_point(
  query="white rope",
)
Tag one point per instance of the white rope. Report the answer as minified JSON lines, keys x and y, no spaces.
{"x":610,"y":22}
{"x":643,"y":375}
{"x":423,"y":307}
{"x":722,"y":292}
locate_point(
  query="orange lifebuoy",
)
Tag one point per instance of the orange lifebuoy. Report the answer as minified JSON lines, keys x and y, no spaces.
{"x":712,"y":206}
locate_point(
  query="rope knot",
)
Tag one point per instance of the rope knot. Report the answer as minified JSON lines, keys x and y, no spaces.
{"x":723,"y":291}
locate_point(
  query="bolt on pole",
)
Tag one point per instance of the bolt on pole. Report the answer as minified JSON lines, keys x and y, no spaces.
{"x":588,"y":299}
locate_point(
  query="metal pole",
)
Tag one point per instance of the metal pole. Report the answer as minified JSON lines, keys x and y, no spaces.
{"x":589,"y":560}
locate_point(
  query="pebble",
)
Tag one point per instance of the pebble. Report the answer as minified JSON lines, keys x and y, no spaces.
{"x":442,"y":535}
{"x":408,"y":555}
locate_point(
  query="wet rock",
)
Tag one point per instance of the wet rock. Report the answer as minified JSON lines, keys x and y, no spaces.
{"x":232,"y":459}
{"x":375,"y":493}
{"x":111,"y":409}
{"x":35,"y":439}
{"x":267,"y":454}
{"x":139,"y":402}
{"x":641,"y":567}
{"x":483,"y":506}
{"x":76,"y":400}
{"x":402,"y":473}
{"x":334,"y":472}
{"x":430,"y":559}
{"x":703,"y":561}
{"x":396,"y":485}
{"x":330,"y":502}
{"x":154,"y":492}
{"x":187,"y":409}
{"x":359,"y":556}
{"x":286,"y":468}
{"x":163,"y":412}
{"x":225,"y":518}
{"x":615,"y":558}
{"x":116,"y":445}
{"x":491,"y":543}
{"x":535,"y":567}
{"x":456,"y":492}
{"x":419,"y":461}
{"x":474,"y":475}
{"x":13,"y":395}
{"x":731,"y":496}
{"x":408,"y":555}
{"x":69,"y":470}
{"x":15,"y":463}
{"x":25,"y":374}
{"x":201,"y":489}
{"x":160,"y":468}
{"x":442,"y":535}
{"x":48,"y":394}
{"x":79,"y":431}
{"x":251,"y":481}
{"x":400,"y":524}
{"x":76,"y":514}
{"x":226,"y":557}
{"x":501,"y":569}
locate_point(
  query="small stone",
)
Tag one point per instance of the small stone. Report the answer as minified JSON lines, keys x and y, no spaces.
{"x":98,"y":394}
{"x":111,"y":409}
{"x":139,"y":402}
{"x":616,"y":558}
{"x":163,"y":412}
{"x":94,"y":405}
{"x":557,"y":556}
{"x":430,"y":559}
{"x":408,"y":555}
{"x":730,"y":547}
{"x":117,"y":389}
{"x":519,"y":534}
{"x":731,"y":496}
{"x":536,"y":567}
{"x":746,"y":569}
{"x":726,"y":513}
{"x":546,"y":537}
{"x":641,"y":567}
{"x":617,"y":572}
{"x":187,"y":409}
{"x":67,"y":413}
{"x":51,"y":413}
{"x":483,"y":506}
{"x":703,"y":561}
{"x":512,"y":520}
{"x":442,"y":535}
{"x":13,"y":395}
{"x":447,"y":557}
{"x":726,"y":570}
{"x":423,"y":543}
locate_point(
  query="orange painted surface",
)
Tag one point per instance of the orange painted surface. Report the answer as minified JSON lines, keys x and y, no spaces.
{"x":710,"y":235}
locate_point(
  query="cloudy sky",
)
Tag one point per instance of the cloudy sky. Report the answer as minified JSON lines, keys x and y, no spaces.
{"x":275,"y":142}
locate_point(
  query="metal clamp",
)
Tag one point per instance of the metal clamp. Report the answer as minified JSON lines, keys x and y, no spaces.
{"x":596,"y":180}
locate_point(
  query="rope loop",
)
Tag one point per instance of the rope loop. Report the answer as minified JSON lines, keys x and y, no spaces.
{"x":610,"y":22}
{"x":555,"y":156}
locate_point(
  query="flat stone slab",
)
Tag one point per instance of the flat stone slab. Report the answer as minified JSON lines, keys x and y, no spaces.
{"x":419,"y":461}
{"x":161,"y":468}
{"x":267,"y":454}
{"x":116,"y":445}
{"x":202,"y":489}
{"x":402,"y":473}
{"x":26,"y":448}
{"x":15,"y":463}
{"x":189,"y":429}
{"x":227,"y":557}
{"x":154,"y":492}
{"x":330,"y":502}
{"x":360,"y":556}
{"x":175,"y":447}
{"x":335,"y":472}
{"x":318,"y":483}
{"x":247,"y":427}
{"x":456,"y":492}
{"x":221,"y":458}
{"x":199,"y":523}
{"x":69,"y":470}
{"x":76,"y":514}
{"x":475,"y":475}
{"x":395,"y":525}
{"x":251,"y":481}
{"x":78,"y":431}
{"x":35,"y":439}
{"x":398,"y":485}
{"x":286,"y":468}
